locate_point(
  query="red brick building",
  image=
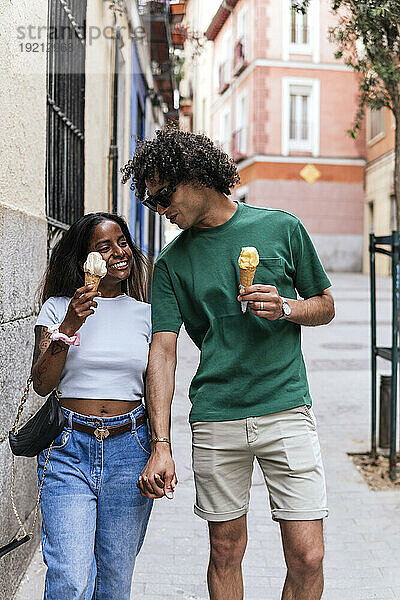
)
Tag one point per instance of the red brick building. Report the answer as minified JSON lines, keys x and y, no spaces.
{"x":281,"y":104}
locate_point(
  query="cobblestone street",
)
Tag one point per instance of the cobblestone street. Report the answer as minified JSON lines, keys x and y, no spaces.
{"x":362,"y":531}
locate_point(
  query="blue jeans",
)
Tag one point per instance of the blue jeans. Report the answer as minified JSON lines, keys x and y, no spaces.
{"x":94,"y":518}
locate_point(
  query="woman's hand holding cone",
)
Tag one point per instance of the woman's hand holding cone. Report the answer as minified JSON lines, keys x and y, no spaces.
{"x":81,"y":306}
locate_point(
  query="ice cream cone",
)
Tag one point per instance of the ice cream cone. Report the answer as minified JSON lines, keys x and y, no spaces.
{"x":247,"y":276}
{"x":248,"y":261}
{"x":95,"y":269}
{"x":92,"y":279}
{"x":246,"y":279}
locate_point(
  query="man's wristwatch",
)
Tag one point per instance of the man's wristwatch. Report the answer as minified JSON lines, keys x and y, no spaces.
{"x":287,"y":311}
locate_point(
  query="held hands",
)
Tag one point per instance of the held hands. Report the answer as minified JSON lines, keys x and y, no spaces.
{"x":264,"y":301}
{"x":158,"y":478}
{"x":82,"y":305}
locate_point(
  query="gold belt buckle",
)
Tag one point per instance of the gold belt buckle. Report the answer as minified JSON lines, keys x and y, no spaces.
{"x":101,"y":434}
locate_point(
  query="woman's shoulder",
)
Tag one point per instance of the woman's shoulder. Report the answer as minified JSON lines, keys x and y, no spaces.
{"x":138,"y":305}
{"x":59,"y":299}
{"x":56,"y":301}
{"x":142,"y":313}
{"x":53,"y":310}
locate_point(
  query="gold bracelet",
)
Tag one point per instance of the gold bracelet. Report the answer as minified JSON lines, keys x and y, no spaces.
{"x":156,"y":439}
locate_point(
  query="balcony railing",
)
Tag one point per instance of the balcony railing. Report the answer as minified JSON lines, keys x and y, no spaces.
{"x":178,"y":11}
{"x":300,"y":35}
{"x":156,"y":20}
{"x":178,"y":36}
{"x":240,"y":57}
{"x":153,"y":8}
{"x":239,"y":144}
{"x":162,"y":70}
{"x":223,"y":77}
{"x":299,"y":130}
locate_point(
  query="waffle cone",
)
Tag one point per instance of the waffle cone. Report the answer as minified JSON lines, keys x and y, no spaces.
{"x":247,"y":276}
{"x":91,"y":279}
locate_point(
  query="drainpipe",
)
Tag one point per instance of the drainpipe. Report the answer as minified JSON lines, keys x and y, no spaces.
{"x":113,"y":151}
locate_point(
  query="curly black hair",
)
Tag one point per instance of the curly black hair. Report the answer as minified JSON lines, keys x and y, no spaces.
{"x":175,"y":156}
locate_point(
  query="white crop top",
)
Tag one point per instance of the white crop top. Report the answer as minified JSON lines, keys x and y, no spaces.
{"x":111,"y":361}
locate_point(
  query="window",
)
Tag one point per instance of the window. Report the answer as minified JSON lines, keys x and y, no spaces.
{"x":227,"y":55}
{"x":203,"y":115}
{"x":242,"y":26}
{"x":376,"y":124}
{"x":65,"y":155}
{"x":240,"y":52}
{"x":301,"y":33}
{"x":240,"y":135}
{"x":225,"y":64}
{"x":225,"y":132}
{"x":300,"y":115}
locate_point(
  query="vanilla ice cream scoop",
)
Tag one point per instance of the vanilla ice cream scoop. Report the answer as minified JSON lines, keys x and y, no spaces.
{"x":95,"y":264}
{"x":248,"y":261}
{"x":248,"y":258}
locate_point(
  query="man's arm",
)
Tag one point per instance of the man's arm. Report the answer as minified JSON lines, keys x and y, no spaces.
{"x":317,"y":310}
{"x":158,"y":477}
{"x":265,"y":301}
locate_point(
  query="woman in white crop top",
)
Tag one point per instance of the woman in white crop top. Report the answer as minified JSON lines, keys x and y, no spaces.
{"x":94,"y":517}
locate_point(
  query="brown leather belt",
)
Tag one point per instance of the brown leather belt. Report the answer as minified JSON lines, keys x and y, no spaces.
{"x":102,"y":432}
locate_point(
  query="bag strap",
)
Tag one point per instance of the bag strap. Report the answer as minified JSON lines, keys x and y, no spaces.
{"x":22,"y":403}
{"x":22,"y":531}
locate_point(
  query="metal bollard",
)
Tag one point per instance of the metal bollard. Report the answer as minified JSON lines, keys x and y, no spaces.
{"x":384,"y":411}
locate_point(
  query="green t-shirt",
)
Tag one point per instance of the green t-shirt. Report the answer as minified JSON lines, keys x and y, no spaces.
{"x":249,"y":366}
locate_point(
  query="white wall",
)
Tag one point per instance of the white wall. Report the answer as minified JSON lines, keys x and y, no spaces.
{"x":99,"y":99}
{"x":23,"y":232}
{"x":198,"y":70}
{"x":23,"y":107}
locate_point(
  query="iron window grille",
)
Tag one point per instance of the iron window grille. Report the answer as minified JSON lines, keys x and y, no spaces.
{"x":65,"y":158}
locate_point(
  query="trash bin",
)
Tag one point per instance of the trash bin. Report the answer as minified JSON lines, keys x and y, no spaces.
{"x":384,"y":410}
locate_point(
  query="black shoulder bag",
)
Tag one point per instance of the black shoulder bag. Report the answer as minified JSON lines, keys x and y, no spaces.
{"x":37,"y":434}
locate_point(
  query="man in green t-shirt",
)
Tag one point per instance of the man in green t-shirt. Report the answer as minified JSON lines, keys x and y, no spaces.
{"x":250,"y":396}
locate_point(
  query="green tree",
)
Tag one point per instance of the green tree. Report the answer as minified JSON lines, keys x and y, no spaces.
{"x":368,"y":40}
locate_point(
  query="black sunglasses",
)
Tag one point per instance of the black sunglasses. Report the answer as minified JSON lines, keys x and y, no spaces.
{"x":161,"y":197}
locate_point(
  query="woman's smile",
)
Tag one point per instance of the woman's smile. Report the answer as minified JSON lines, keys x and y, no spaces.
{"x":119,"y":266}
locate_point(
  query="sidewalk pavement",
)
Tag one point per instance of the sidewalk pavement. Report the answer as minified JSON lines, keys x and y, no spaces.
{"x":362,"y":531}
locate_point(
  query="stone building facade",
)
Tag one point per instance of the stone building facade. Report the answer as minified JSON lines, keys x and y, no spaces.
{"x":46,"y":182}
{"x":23,"y":237}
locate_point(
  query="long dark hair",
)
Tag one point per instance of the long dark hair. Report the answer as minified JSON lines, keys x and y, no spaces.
{"x":64,"y":273}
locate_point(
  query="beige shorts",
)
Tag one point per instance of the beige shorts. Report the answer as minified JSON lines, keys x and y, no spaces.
{"x":287,"y":449}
